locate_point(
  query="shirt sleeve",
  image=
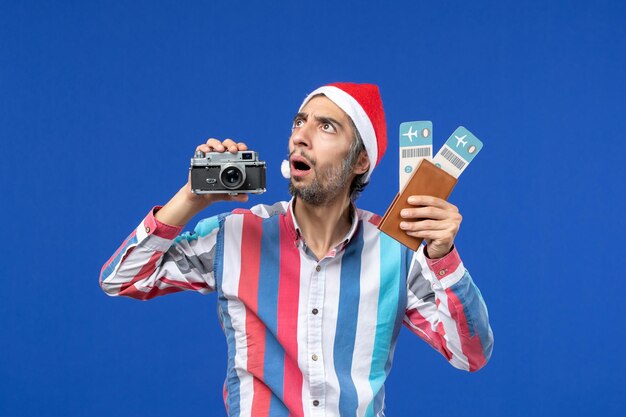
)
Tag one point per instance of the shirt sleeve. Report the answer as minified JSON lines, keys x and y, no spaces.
{"x":155,"y":260}
{"x":446,"y":309}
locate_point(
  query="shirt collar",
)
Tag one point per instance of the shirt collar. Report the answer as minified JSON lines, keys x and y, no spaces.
{"x":296,"y":234}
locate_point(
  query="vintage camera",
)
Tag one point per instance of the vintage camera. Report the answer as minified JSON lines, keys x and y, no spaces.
{"x":227,"y":173}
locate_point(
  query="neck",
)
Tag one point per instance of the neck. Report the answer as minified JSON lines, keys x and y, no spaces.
{"x":323,"y":226}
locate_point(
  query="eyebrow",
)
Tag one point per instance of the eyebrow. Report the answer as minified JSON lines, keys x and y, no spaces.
{"x":319,"y":119}
{"x":300,"y":115}
{"x":326,"y":119}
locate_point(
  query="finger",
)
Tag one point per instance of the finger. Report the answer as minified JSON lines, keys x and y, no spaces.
{"x":215,"y":145}
{"x":204,"y":148}
{"x":433,"y":235}
{"x":242,"y":146}
{"x":242,"y":198}
{"x":230,"y":145}
{"x":427,"y":200}
{"x":430,"y":212}
{"x":426,"y":225}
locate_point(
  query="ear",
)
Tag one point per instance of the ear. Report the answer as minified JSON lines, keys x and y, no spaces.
{"x":362,"y":164}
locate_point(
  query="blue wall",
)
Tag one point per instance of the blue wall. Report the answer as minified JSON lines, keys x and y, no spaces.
{"x":101,"y":106}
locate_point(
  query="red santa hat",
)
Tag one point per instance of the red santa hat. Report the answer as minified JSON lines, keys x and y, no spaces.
{"x":363,"y":104}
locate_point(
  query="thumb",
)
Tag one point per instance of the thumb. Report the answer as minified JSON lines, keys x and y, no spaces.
{"x":242,"y":198}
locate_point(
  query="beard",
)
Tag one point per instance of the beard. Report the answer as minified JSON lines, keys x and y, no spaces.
{"x":326,"y":187}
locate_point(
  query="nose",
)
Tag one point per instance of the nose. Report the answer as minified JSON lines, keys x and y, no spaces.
{"x":301,"y":136}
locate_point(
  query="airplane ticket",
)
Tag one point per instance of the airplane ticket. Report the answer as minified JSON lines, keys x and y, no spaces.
{"x":458,"y":151}
{"x":416,"y":143}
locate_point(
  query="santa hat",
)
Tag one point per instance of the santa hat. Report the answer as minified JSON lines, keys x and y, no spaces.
{"x":363,"y":104}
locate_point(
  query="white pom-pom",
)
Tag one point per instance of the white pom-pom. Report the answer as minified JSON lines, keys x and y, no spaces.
{"x":285,"y":169}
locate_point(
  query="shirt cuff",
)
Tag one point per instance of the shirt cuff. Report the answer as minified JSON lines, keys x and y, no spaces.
{"x":154,"y":227}
{"x":445,"y":266}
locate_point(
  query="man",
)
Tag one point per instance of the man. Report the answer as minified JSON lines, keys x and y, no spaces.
{"x":311,"y":295}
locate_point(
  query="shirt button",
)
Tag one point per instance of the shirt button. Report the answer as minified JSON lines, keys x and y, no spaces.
{"x":442,"y":272}
{"x":318,"y":268}
{"x":147,"y":229}
{"x":315,"y":311}
{"x":314,"y":357}
{"x":316,"y":403}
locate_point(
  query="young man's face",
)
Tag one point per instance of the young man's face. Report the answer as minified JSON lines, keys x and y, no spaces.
{"x":320,"y":141}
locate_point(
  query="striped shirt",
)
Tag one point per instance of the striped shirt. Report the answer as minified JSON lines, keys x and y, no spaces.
{"x":307,"y":337}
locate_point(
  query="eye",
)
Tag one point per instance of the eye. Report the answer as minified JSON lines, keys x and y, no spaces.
{"x":297,"y":123}
{"x":327,"y":127}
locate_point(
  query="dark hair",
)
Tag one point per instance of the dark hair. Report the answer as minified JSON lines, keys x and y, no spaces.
{"x":358,"y":183}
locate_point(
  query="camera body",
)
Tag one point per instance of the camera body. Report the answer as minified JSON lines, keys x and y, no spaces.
{"x":227,"y":173}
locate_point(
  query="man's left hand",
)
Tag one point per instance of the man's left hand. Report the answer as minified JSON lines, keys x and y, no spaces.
{"x":433,"y":219}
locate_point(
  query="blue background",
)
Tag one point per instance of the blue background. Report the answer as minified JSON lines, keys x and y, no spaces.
{"x":103,"y":103}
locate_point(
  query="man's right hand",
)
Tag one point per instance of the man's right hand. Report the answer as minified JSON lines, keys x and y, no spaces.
{"x":185,"y":204}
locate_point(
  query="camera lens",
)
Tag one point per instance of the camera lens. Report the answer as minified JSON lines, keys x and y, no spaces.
{"x":232,"y":177}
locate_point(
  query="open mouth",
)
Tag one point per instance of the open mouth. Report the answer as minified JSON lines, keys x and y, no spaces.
{"x":299,"y":165}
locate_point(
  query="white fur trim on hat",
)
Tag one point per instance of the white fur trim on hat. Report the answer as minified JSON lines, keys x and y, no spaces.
{"x":353,"y":109}
{"x":285,"y":169}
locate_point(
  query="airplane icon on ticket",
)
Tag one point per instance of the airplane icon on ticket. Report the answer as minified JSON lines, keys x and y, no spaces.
{"x":459,"y":140}
{"x":410,"y":133}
